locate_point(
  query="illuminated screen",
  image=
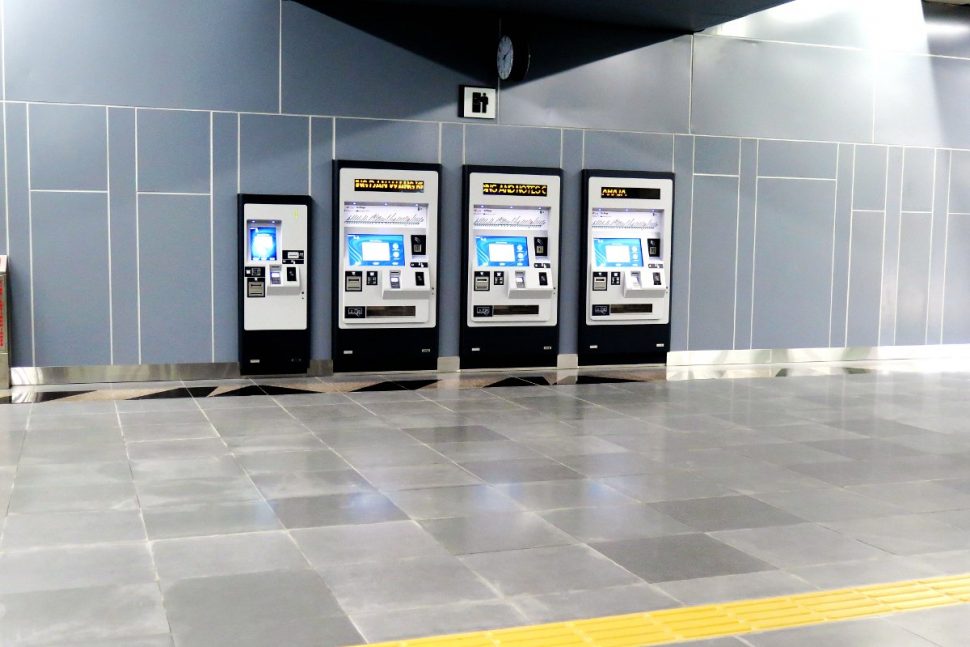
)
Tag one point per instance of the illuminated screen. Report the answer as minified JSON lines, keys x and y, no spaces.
{"x":375,"y":250}
{"x":618,"y":252}
{"x":262,"y":243}
{"x":502,"y":251}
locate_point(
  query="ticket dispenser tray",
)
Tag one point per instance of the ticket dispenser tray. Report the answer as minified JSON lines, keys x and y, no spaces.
{"x":639,"y":284}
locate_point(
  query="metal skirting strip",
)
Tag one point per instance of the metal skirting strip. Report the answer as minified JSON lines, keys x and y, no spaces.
{"x":41,"y":375}
{"x":719,"y":620}
{"x":798,"y":355}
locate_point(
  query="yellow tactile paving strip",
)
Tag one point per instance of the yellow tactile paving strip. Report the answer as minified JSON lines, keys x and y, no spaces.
{"x":717,"y":620}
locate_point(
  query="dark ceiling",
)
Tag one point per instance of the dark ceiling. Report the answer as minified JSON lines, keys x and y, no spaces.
{"x":563,"y":34}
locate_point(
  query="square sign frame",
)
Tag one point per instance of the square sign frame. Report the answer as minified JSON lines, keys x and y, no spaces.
{"x":478,"y":102}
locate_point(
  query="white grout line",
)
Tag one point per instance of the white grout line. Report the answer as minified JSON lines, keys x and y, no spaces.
{"x":6,"y":182}
{"x":690,"y":90}
{"x":440,"y":136}
{"x":875,"y":82}
{"x":754,"y":236}
{"x":238,"y":153}
{"x":30,"y":246}
{"x":848,"y":282}
{"x":107,"y":199}
{"x":792,"y":177}
{"x":882,"y":255}
{"x":279,"y":69}
{"x":102,"y":191}
{"x":929,"y":260}
{"x":899,"y":247}
{"x":137,"y":242}
{"x":946,"y":244}
{"x":737,"y":247}
{"x":561,"y":137}
{"x":188,"y":193}
{"x":718,"y":174}
{"x":309,"y":157}
{"x":835,"y":219}
{"x":212,"y":243}
{"x":690,"y":235}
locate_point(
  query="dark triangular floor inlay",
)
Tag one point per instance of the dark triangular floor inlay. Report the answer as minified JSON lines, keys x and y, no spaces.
{"x":252,"y":389}
{"x":537,"y":380}
{"x":272,"y":389}
{"x":50,"y":396}
{"x":380,"y":386}
{"x":599,"y":379}
{"x":200,"y":391}
{"x":414,"y":385}
{"x":180,"y":392}
{"x":510,"y":381}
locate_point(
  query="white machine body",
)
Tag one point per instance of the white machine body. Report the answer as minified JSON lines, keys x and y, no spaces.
{"x":275,"y":266}
{"x":388,"y":248}
{"x":513,"y":250}
{"x":628,"y":251}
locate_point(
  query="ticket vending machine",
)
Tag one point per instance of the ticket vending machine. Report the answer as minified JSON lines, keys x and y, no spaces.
{"x":510,"y":295}
{"x":274,"y":255}
{"x":385,"y":251}
{"x":625,"y":253}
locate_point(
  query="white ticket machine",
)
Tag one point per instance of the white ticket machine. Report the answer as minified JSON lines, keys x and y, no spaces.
{"x":385,"y":254}
{"x":626,"y":243}
{"x":510,"y":294}
{"x":274,"y":255}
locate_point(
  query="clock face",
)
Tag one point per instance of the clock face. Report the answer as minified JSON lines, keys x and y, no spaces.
{"x":504,"y":57}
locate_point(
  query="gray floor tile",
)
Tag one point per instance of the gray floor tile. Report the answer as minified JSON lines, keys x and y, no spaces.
{"x":74,"y":567}
{"x":178,"y":559}
{"x":336,"y":510}
{"x":520,"y":471}
{"x":404,"y":584}
{"x":257,"y":609}
{"x":216,"y":518}
{"x":84,"y":452}
{"x":244,"y":427}
{"x":166,"y":470}
{"x":743,"y":586}
{"x":73,"y":474}
{"x":494,"y":531}
{"x":184,"y":431}
{"x":95,"y":614}
{"x":571,"y":493}
{"x":331,"y":546}
{"x":679,"y":557}
{"x":240,"y":445}
{"x":102,"y":496}
{"x":576,"y":605}
{"x":363,"y":457}
{"x":485,"y":451}
{"x":454,"y":434}
{"x":305,"y":461}
{"x":176,"y":449}
{"x":462,"y":500}
{"x":23,"y":531}
{"x":872,"y":571}
{"x":725,"y":513}
{"x":199,"y":490}
{"x":280,"y":485}
{"x":610,"y":523}
{"x":547,"y":570}
{"x":665,"y":485}
{"x":615,"y":464}
{"x":918,"y":496}
{"x":438,"y":620}
{"x":574,"y":446}
{"x":946,"y":627}
{"x":827,"y":504}
{"x":860,"y":633}
{"x":798,"y":545}
{"x":417,"y":476}
{"x":789,"y":453}
{"x":904,"y":534}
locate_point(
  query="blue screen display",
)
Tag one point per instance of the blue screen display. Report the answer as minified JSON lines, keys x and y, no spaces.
{"x":502,"y":251}
{"x":618,"y":252}
{"x":262,"y":243}
{"x":375,"y":250}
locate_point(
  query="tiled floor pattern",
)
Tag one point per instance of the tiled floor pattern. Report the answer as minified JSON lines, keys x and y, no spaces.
{"x":342,"y":517}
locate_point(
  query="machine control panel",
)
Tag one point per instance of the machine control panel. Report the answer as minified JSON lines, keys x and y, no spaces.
{"x":512,"y":249}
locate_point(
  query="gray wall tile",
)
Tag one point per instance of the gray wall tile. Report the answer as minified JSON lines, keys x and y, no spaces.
{"x":921,"y":101}
{"x":865,"y":277}
{"x":746,"y":221}
{"x":639,"y":97}
{"x":793,"y":282}
{"x":713,"y":267}
{"x":890,"y":265}
{"x":869,"y":181}
{"x":449,"y":252}
{"x":321,"y":236}
{"x":394,"y":141}
{"x":938,"y":249}
{"x":570,"y":228}
{"x":628,"y":151}
{"x":918,"y":170}
{"x":512,"y":146}
{"x":71,"y":274}
{"x":274,"y":154}
{"x":718,"y":155}
{"x":3,"y":185}
{"x":137,"y":53}
{"x":18,"y":220}
{"x":956,"y":314}
{"x":911,"y":292}
{"x":331,"y":68}
{"x":748,"y":88}
{"x":176,"y":303}
{"x":173,"y":151}
{"x":124,"y":236}
{"x":840,"y":239}
{"x":683,"y":188}
{"x":225,"y":242}
{"x":797,"y":159}
{"x":959,"y":175}
{"x":68,"y":147}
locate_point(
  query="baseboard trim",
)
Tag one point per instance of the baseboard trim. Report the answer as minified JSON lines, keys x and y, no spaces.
{"x":800,"y":355}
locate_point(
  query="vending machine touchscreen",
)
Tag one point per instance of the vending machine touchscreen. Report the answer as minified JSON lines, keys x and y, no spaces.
{"x":274,"y":335}
{"x":386,"y":266}
{"x":510,"y":292}
{"x":625,"y":316}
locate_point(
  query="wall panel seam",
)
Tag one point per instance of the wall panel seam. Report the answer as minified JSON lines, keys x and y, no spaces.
{"x":899,"y":246}
{"x":946,"y":245}
{"x":848,"y":270}
{"x":107,"y":199}
{"x":754,"y":236}
{"x":137,"y":242}
{"x":882,"y":255}
{"x":690,"y":235}
{"x":212,"y":240}
{"x":835,"y":219}
{"x":30,"y":245}
{"x":929,"y":259}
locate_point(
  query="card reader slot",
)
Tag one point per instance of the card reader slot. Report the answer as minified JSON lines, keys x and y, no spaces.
{"x":631,"y":308}
{"x":515,"y":310}
{"x":390,"y":311}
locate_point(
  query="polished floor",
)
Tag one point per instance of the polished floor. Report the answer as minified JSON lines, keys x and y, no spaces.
{"x":369,"y":515}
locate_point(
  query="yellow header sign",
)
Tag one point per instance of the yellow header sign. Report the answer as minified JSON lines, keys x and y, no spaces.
{"x":503,"y":188}
{"x":390,"y":185}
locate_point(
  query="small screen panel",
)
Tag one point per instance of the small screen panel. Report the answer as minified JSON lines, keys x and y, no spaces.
{"x":262,"y":242}
{"x":502,"y":251}
{"x":618,"y":252}
{"x":375,"y":250}
{"x":648,"y":219}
